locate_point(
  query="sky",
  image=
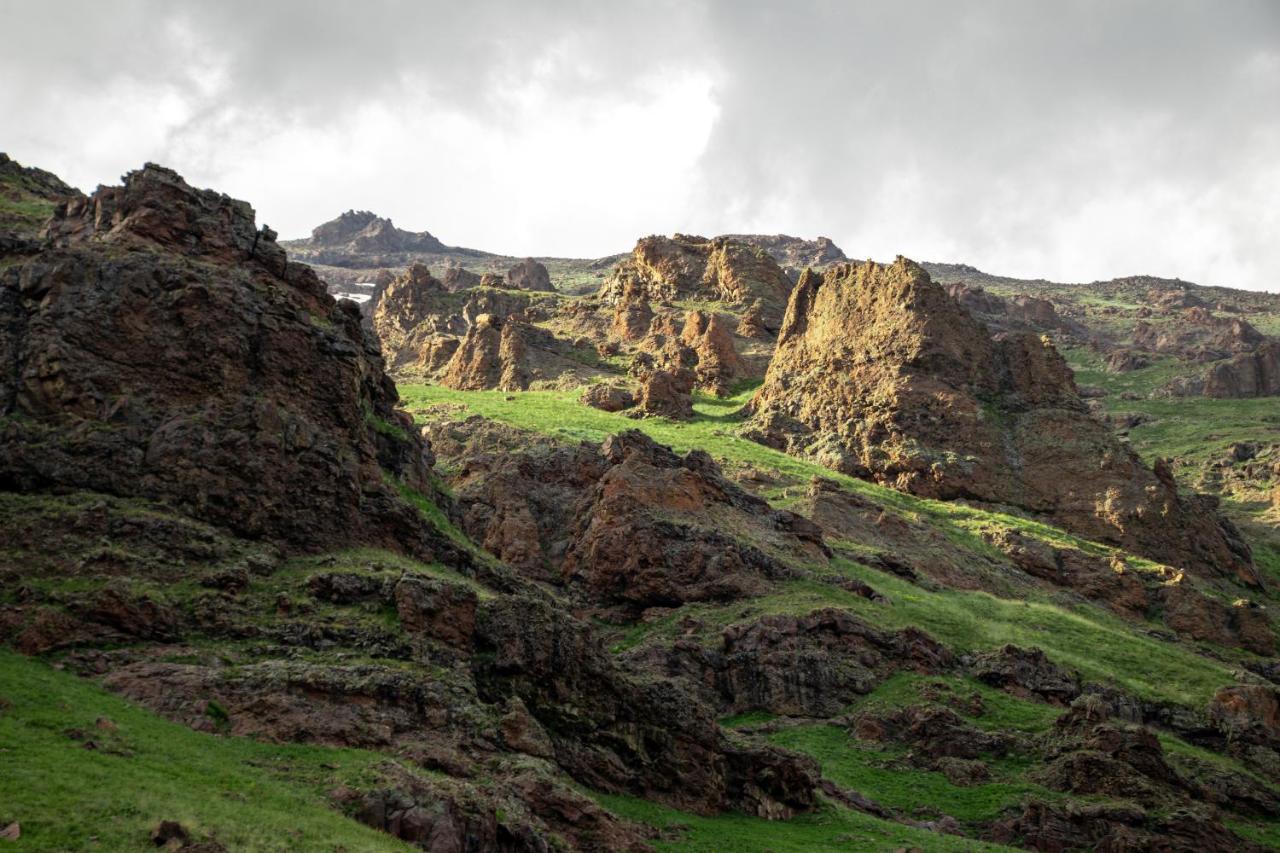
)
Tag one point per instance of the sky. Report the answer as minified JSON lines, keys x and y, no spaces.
{"x":1072,"y":141}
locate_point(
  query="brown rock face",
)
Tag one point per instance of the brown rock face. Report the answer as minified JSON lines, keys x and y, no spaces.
{"x":492,"y":355}
{"x":666,"y":393}
{"x":686,"y":267}
{"x":718,"y":361}
{"x":362,"y":232}
{"x":31,"y":195}
{"x":879,"y":374}
{"x":1254,"y":374}
{"x":529,"y":275}
{"x":457,"y":278}
{"x":795,"y":252}
{"x":404,"y":304}
{"x":608,"y":398}
{"x":629,"y":525}
{"x":808,"y":666}
{"x":160,"y":346}
{"x":632,"y":315}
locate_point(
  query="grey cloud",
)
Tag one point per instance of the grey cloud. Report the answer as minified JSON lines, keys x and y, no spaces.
{"x":994,"y":131}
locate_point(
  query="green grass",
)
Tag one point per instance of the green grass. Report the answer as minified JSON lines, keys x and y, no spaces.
{"x":829,"y":828}
{"x":879,"y":773}
{"x":246,"y":795}
{"x":1085,"y":637}
{"x":1001,"y":711}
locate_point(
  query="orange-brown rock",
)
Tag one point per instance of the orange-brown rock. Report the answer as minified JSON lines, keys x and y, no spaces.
{"x":879,"y":374}
{"x":529,"y":275}
{"x":687,"y":267}
{"x":1252,"y":374}
{"x":751,"y":323}
{"x":608,"y":398}
{"x":666,"y":392}
{"x":401,"y":310}
{"x":632,"y":314}
{"x":718,"y":361}
{"x":459,"y":278}
{"x":492,"y":355}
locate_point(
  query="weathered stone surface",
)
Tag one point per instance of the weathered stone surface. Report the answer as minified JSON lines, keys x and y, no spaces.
{"x":619,"y":733}
{"x":160,"y":346}
{"x":718,"y":362}
{"x":529,"y":275}
{"x":630,"y":524}
{"x":608,"y":398}
{"x":491,"y":355}
{"x":879,"y":374}
{"x":688,"y":267}
{"x":1253,"y":374}
{"x":808,"y":666}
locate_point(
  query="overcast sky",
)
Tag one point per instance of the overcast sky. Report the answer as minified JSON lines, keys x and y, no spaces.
{"x":1068,"y":140}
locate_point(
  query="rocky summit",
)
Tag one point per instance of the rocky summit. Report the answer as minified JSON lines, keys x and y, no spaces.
{"x":720,"y":544}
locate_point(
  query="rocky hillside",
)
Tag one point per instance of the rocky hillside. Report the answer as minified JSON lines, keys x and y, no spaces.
{"x":678,"y":555}
{"x":27,"y":197}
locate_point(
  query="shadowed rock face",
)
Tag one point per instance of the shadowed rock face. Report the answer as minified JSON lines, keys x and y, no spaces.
{"x":879,"y":374}
{"x":1254,"y":374}
{"x":686,"y":267}
{"x":161,"y":346}
{"x":529,"y":275}
{"x":360,"y":231}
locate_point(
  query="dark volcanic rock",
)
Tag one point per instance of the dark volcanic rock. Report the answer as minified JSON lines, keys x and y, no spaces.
{"x":810,"y":666}
{"x":162,"y":347}
{"x":616,"y":732}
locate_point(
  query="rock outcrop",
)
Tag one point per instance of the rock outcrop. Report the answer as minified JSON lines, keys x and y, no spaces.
{"x":363,"y":232}
{"x":879,"y":374}
{"x":688,"y":267}
{"x":629,"y":525}
{"x":457,"y":278}
{"x":707,"y":334}
{"x":493,"y":354}
{"x":529,"y":275}
{"x":795,"y":253}
{"x":27,"y":198}
{"x":161,"y":346}
{"x":1252,"y":374}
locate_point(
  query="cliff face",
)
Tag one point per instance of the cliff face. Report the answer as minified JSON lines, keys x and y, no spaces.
{"x":160,"y":345}
{"x":879,"y":374}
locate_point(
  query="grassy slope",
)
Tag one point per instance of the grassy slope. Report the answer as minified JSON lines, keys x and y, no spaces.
{"x":827,"y":829}
{"x":244,"y":794}
{"x":1102,"y":646}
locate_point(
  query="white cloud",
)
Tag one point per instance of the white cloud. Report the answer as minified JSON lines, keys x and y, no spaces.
{"x":1087,"y":141}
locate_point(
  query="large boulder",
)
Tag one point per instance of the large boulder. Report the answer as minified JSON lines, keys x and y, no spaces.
{"x":879,"y":374}
{"x":161,"y":346}
{"x":529,"y":275}
{"x":1250,"y":374}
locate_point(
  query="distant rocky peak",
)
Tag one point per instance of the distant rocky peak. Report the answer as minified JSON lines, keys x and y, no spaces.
{"x":363,"y":231}
{"x":345,"y":227}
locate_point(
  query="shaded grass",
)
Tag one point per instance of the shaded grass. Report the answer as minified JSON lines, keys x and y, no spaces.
{"x":879,"y":773}
{"x":244,"y":794}
{"x":829,"y":828}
